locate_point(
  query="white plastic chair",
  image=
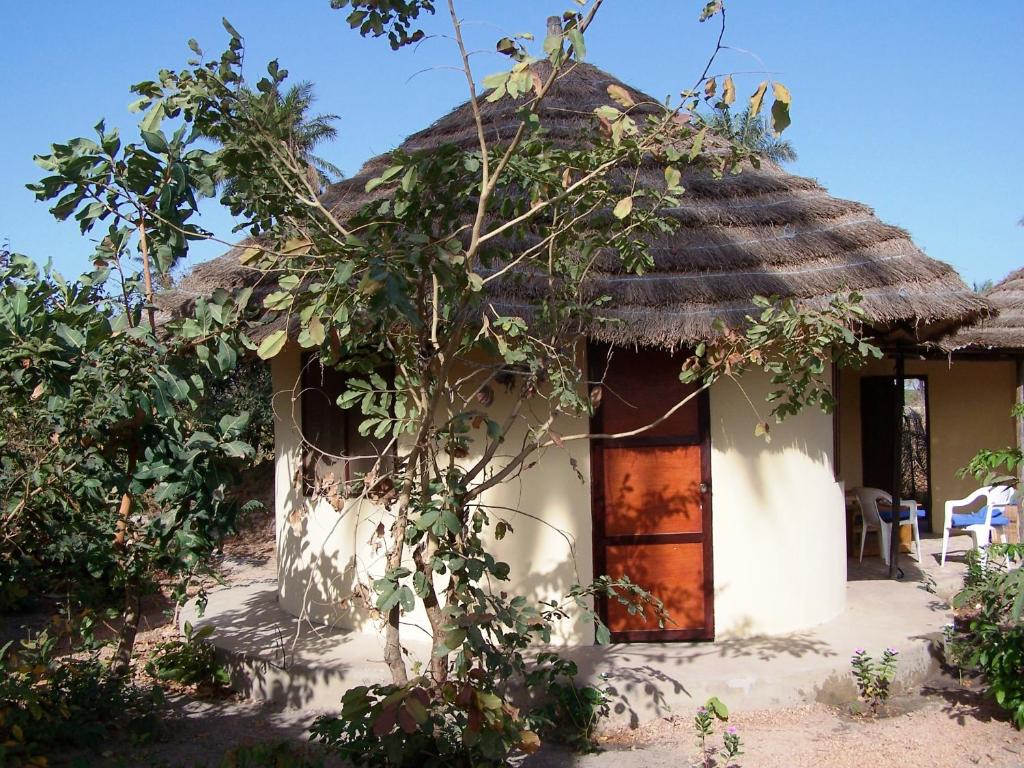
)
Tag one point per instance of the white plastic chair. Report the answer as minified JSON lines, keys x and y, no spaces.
{"x":997,"y":497}
{"x":867,"y":500}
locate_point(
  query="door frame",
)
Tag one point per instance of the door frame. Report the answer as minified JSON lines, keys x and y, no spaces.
{"x":597,"y":506}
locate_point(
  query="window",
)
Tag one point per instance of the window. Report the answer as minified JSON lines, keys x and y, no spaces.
{"x":335,"y":457}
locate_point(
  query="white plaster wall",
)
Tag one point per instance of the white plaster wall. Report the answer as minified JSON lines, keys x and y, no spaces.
{"x":778,"y":517}
{"x":324,"y":553}
{"x":779,"y":562}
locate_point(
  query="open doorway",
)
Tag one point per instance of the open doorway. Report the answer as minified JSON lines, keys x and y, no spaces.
{"x":877,"y":405}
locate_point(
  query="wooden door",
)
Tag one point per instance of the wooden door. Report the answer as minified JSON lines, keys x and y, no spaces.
{"x":652,"y":493}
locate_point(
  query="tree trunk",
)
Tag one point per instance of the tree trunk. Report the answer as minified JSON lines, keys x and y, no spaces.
{"x":392,"y":635}
{"x":120,"y":665}
{"x":435,"y":615}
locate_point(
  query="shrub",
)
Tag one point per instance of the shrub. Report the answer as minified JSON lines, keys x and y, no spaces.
{"x":570,"y":714}
{"x":191,"y":661}
{"x":989,"y":635}
{"x":49,"y":702}
{"x":455,"y":725}
{"x":280,"y":754}
{"x":474,"y":715}
{"x":874,"y":679}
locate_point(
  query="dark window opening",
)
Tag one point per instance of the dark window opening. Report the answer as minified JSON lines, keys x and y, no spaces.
{"x":336,"y":459}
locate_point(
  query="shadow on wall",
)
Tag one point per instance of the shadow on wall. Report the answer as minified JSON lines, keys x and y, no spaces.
{"x":759,"y":460}
{"x":318,"y":582}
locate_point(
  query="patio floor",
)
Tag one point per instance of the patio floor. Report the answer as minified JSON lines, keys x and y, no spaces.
{"x":276,"y":657}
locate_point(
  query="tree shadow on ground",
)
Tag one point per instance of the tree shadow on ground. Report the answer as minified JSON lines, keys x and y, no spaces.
{"x":200,"y":733}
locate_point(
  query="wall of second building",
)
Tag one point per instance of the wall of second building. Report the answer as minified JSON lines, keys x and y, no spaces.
{"x":969,"y":403}
{"x":778,"y":530}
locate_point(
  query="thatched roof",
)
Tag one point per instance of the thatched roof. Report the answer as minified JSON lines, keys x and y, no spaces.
{"x":763,"y":231}
{"x":1003,"y":332}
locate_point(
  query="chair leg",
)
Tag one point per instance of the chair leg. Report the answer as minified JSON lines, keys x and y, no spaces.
{"x":884,"y":530}
{"x":945,"y":545}
{"x":863,"y":538}
{"x":981,"y":537}
{"x":917,"y":538}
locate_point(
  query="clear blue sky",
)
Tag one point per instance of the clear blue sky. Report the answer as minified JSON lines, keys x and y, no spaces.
{"x":914,"y":107}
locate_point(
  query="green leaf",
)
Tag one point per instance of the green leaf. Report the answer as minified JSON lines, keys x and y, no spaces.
{"x":578,"y":46}
{"x":238,"y":449}
{"x":454,"y":638}
{"x":230,"y":29}
{"x":623,"y":208}
{"x":232,"y":424}
{"x":71,"y":335}
{"x":272,"y":345}
{"x":698,"y":144}
{"x":717,"y":708}
{"x":277,"y":300}
{"x":155,"y":141}
{"x":672,"y":177}
{"x":151,"y":121}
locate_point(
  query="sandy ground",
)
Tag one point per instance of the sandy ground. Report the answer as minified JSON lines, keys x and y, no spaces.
{"x":945,"y":728}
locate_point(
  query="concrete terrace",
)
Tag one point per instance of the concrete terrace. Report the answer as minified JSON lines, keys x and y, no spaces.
{"x":276,"y":657}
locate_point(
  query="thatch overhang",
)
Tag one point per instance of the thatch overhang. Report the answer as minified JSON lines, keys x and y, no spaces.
{"x":1000,"y":333}
{"x":761,"y":232}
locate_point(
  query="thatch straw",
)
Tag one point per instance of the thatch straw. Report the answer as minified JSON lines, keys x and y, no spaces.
{"x":1002,"y":332}
{"x":763,"y":231}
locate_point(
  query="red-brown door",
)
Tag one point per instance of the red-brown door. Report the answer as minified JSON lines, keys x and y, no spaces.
{"x":652,"y":493}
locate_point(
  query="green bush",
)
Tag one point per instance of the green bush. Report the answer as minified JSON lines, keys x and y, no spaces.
{"x":989,"y":635}
{"x":279,"y":754}
{"x":50,"y":703}
{"x":569,"y":714}
{"x":191,"y":661}
{"x":419,"y":725}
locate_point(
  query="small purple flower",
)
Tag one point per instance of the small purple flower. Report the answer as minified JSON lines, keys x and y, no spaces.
{"x":891,"y":651}
{"x":731,"y":729}
{"x":858,"y":651}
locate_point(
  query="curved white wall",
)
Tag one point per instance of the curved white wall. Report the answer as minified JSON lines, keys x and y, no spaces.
{"x":779,"y":525}
{"x":779,"y":560}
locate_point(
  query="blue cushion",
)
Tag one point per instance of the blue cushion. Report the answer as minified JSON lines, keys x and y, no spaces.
{"x":886,"y":514}
{"x":978,"y":518}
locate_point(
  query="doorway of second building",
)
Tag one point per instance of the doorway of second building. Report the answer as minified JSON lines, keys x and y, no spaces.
{"x":877,"y":406}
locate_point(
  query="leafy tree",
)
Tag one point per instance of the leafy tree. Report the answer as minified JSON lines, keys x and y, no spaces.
{"x":285,"y":116}
{"x":753,"y":132}
{"x":104,"y":487}
{"x":403,"y":284}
